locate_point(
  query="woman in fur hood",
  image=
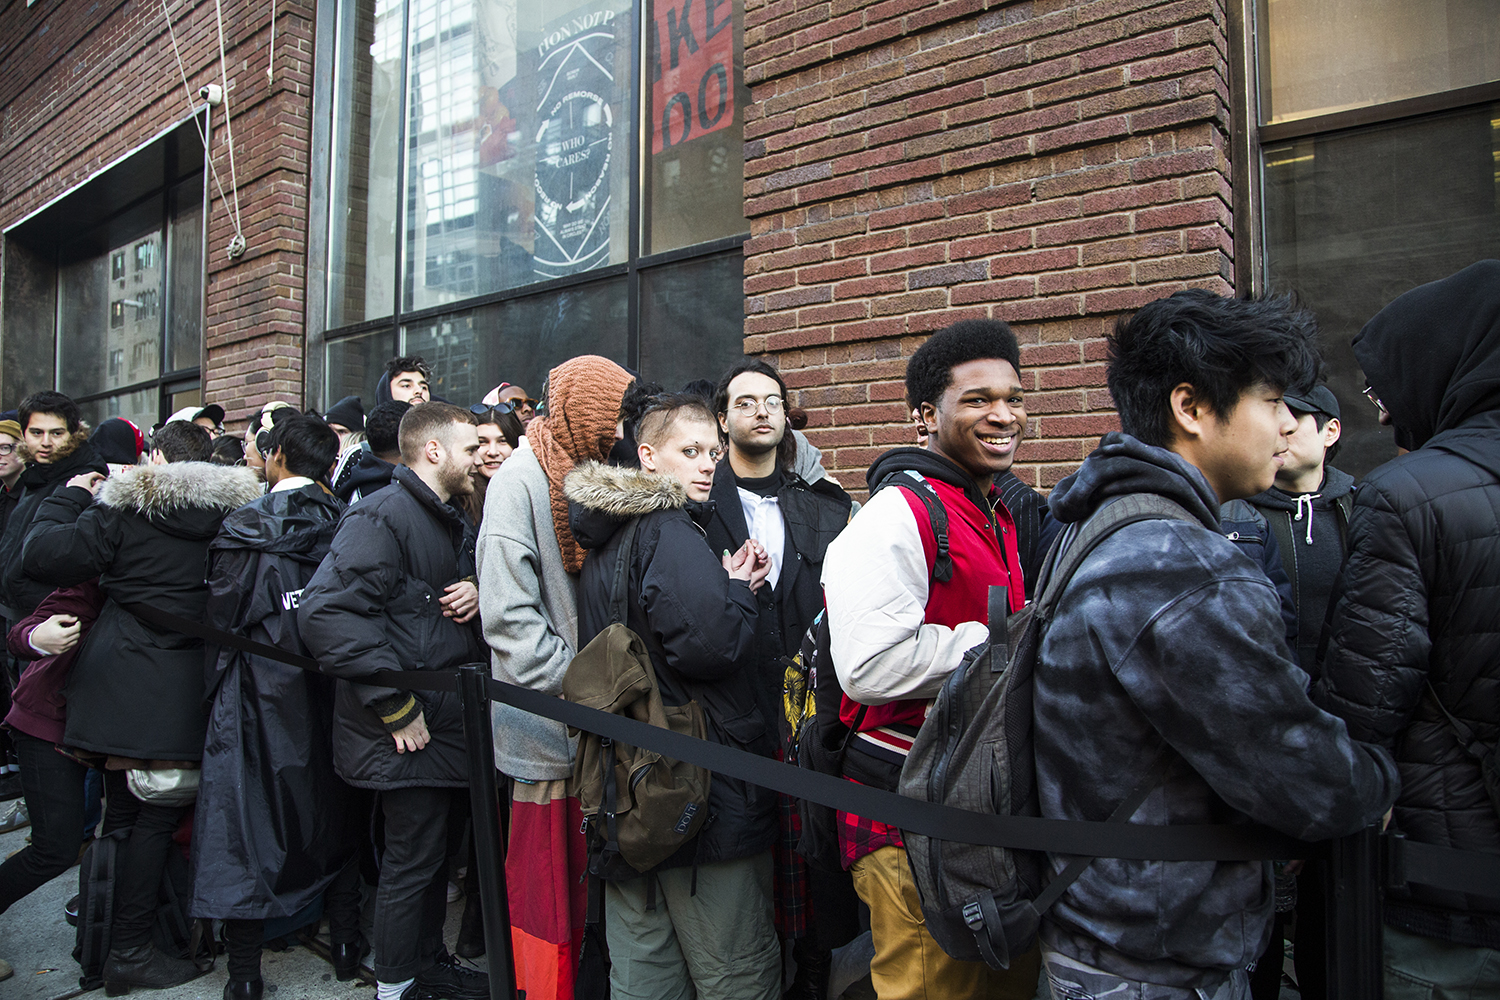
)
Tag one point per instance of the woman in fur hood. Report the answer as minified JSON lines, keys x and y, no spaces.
{"x":136,"y":693}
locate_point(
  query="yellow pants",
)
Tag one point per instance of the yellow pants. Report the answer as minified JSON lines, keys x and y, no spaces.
{"x":908,"y":963}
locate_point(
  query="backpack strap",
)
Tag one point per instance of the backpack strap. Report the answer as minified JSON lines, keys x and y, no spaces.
{"x":916,"y":484}
{"x":1467,"y":738}
{"x":619,"y":583}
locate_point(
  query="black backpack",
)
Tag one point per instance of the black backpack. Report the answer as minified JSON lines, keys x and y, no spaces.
{"x":814,"y":735}
{"x":975,"y":752}
{"x":174,"y":933}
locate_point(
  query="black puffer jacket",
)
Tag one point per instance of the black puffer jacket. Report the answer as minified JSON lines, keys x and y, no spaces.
{"x":373,"y":605}
{"x":37,"y":483}
{"x":813,"y":515}
{"x":135,"y":690}
{"x":1422,"y":583}
{"x":698,"y":625}
{"x":1168,"y":633}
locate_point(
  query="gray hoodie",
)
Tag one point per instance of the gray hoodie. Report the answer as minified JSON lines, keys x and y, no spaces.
{"x":529,"y":606}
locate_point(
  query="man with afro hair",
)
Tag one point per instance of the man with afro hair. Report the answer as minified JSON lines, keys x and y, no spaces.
{"x":900,"y":624}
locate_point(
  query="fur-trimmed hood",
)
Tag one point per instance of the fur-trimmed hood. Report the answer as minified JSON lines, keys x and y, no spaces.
{"x":188,"y":498}
{"x":601,"y":498}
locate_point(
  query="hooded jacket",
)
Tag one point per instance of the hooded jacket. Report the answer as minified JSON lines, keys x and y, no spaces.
{"x":1168,"y":635}
{"x":17,"y":590}
{"x":362,"y":474}
{"x":813,"y":515}
{"x":373,"y":605}
{"x":137,"y":691}
{"x":273,"y":823}
{"x":697,"y":624}
{"x":1422,"y":581}
{"x":37,"y":706}
{"x":1303,"y":538}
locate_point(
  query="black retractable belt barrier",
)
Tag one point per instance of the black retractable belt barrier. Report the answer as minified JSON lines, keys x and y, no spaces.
{"x":1354,"y":925}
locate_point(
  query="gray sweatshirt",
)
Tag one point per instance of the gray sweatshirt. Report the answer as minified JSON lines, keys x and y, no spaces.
{"x":529,"y":606}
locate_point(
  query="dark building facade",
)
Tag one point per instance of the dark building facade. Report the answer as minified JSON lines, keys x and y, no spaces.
{"x":500,"y":184}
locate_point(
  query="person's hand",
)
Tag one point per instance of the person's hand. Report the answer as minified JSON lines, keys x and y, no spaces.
{"x":760,"y":568}
{"x":88,"y":480}
{"x":57,"y":634}
{"x":750,"y":563}
{"x":413,"y":737}
{"x":462,"y":601}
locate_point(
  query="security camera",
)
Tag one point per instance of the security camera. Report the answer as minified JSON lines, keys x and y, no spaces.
{"x":212,"y":93}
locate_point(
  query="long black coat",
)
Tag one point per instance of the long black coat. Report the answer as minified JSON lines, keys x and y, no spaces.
{"x":813,"y":515}
{"x":373,"y":605}
{"x":273,"y":823}
{"x":135,"y":690}
{"x":17,"y":590}
{"x":698,"y":626}
{"x":1422,"y":582}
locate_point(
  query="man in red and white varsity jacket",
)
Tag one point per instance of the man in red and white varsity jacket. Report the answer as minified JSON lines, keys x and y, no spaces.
{"x":898,"y":633}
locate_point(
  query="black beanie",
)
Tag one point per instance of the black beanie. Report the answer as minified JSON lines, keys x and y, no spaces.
{"x":117,"y":441}
{"x":348,"y":412}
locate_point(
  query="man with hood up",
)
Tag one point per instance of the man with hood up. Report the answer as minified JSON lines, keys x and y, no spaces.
{"x":274,"y":827}
{"x":1414,"y":656}
{"x":528,"y":600}
{"x":1166,"y":670}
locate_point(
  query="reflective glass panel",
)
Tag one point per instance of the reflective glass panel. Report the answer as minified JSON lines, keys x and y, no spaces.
{"x":1353,"y":219}
{"x":517,"y":166}
{"x":141,"y":408}
{"x":692,"y":319}
{"x":1321,"y":56}
{"x":353,"y":365}
{"x":367,"y":132}
{"x":185,"y":276}
{"x":695,"y":111}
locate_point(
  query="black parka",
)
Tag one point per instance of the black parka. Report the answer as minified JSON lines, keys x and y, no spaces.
{"x":273,"y":823}
{"x":136,"y":690}
{"x":38,"y":482}
{"x":698,"y":625}
{"x":1421,"y":593}
{"x":373,"y":605}
{"x":813,"y":515}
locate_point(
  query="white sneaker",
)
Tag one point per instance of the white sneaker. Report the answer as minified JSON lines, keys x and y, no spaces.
{"x":15,"y":818}
{"x":454,"y":892}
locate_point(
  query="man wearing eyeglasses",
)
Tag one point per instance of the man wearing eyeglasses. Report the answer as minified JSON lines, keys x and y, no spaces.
{"x":756,"y":494}
{"x":11,"y":467}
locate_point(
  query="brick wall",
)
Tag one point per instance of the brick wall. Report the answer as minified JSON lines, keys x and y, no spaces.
{"x":81,"y":85}
{"x":910,"y":163}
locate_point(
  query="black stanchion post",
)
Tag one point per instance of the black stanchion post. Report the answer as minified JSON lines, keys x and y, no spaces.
{"x":485,"y":806}
{"x":1354,"y":935}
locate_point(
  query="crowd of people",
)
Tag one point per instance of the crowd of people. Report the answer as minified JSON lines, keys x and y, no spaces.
{"x":1286,"y":649}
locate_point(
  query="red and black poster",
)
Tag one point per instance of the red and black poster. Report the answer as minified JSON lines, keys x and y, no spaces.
{"x":692,"y":69}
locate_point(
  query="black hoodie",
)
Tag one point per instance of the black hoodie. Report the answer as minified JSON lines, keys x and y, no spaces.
{"x":1422,"y":581}
{"x":36,"y":484}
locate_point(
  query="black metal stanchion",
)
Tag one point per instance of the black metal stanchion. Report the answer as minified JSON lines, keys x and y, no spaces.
{"x":1354,"y":924}
{"x":485,"y":807}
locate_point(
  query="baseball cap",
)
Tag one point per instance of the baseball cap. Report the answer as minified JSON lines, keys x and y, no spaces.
{"x":1318,"y":399}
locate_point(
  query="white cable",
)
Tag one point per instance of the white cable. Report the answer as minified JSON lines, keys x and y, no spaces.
{"x":237,"y":244}
{"x":271,"y":47}
{"x":202,"y":135}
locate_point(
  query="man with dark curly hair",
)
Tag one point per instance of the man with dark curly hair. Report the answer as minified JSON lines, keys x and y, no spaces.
{"x":900,"y":622}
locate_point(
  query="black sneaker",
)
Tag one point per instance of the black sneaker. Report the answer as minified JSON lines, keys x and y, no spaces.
{"x":448,"y":979}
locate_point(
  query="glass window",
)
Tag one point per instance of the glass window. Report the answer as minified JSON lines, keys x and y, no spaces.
{"x":367,"y":120}
{"x":352,"y":365}
{"x":695,"y":111}
{"x":1355,"y":218}
{"x":185,"y":279}
{"x":1321,"y":56}
{"x":517,"y":163}
{"x":140,"y":408}
{"x":692,"y":319}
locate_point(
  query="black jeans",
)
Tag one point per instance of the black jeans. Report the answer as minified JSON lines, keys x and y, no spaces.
{"x":142,"y":858}
{"x":411,"y":900}
{"x":53,"y":785}
{"x":244,"y":938}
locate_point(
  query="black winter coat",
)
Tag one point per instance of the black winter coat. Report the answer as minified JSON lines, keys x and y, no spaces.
{"x":273,"y":823}
{"x":17,"y":590}
{"x":698,"y":625}
{"x":135,"y":690}
{"x":373,"y":605}
{"x":813,"y":515}
{"x":1421,"y":586}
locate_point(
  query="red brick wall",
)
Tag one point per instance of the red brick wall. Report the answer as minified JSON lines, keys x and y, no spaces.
{"x":910,"y":163}
{"x":81,"y":85}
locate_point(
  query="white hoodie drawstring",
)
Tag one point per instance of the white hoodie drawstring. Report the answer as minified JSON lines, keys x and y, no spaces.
{"x":1306,"y":498}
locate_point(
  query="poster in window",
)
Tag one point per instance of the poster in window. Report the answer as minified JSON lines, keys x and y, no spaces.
{"x":691,"y":48}
{"x":575,"y":154}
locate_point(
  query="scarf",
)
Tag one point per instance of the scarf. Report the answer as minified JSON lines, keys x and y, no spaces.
{"x":583,"y":407}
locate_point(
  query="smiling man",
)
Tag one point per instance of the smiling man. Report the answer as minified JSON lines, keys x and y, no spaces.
{"x":1166,"y":666}
{"x":900,"y":623}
